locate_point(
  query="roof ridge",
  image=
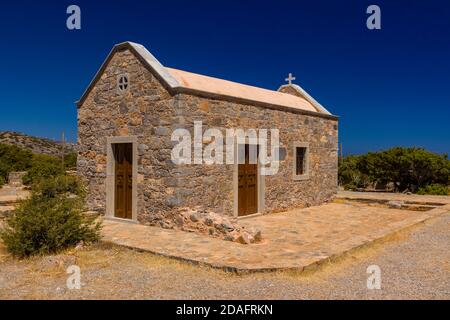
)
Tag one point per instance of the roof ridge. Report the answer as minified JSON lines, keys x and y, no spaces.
{"x":221,"y":79}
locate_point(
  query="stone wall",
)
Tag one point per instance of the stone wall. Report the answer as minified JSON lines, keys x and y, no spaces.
{"x":150,"y":113}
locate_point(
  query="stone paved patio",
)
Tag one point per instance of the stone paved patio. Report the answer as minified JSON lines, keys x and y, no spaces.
{"x":296,"y":239}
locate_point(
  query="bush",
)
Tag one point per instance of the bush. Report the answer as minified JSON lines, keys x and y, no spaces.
{"x":13,"y":158}
{"x":435,"y":189}
{"x":62,"y":184}
{"x":43,"y":167}
{"x":38,"y":166}
{"x":2,"y":181}
{"x":52,"y":219}
{"x":407,"y":168}
{"x":70,"y":161}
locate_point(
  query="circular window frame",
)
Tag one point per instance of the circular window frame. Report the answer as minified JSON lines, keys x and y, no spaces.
{"x":123,"y":86}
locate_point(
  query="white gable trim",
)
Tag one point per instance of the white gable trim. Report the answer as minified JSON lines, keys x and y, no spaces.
{"x":155,"y":64}
{"x":306,"y":95}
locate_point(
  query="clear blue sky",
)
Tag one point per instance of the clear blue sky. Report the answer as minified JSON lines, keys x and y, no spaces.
{"x":390,"y":87}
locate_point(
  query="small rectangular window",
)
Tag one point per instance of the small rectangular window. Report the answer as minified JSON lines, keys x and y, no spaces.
{"x":301,"y":161}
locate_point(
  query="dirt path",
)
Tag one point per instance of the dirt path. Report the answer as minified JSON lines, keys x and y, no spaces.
{"x":414,"y":265}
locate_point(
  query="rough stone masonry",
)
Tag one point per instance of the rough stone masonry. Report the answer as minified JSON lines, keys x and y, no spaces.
{"x":149,"y":110}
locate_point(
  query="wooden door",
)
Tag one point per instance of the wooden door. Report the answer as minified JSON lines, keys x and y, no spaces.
{"x":123,"y":180}
{"x":247,"y":186}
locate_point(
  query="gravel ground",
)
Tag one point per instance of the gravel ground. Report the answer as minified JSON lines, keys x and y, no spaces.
{"x":414,"y":264}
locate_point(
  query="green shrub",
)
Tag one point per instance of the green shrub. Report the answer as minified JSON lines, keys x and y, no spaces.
{"x":42,"y":167}
{"x":2,"y":181}
{"x":52,"y":219}
{"x":435,"y":189}
{"x":13,"y":158}
{"x":70,"y":160}
{"x":62,"y":184}
{"x":38,"y":166}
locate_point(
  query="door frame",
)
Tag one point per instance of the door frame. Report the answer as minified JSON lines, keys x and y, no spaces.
{"x":260,"y":185}
{"x":110,"y":177}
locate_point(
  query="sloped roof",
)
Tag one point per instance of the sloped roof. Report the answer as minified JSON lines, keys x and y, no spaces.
{"x":182,"y":81}
{"x":233,"y":89}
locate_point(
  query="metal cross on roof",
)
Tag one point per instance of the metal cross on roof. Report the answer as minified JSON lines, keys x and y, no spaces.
{"x":290,"y":78}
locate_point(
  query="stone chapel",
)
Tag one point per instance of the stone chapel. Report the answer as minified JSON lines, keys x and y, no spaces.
{"x":130,"y":109}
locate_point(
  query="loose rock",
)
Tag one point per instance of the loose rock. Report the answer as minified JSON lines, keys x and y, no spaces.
{"x":395,"y":204}
{"x":210,"y":223}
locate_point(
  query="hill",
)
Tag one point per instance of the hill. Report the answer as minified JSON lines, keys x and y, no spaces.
{"x":35,"y":144}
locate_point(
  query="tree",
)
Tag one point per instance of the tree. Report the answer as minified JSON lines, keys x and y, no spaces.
{"x":407,"y":168}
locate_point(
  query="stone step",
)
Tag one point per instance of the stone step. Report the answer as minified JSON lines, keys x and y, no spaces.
{"x":8,"y":202}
